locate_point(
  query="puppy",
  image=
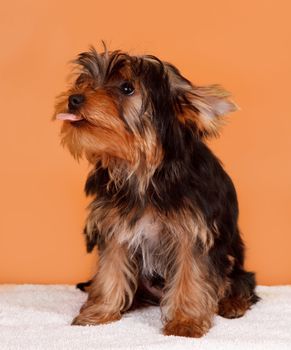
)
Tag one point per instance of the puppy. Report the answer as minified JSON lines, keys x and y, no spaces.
{"x":164,"y":212}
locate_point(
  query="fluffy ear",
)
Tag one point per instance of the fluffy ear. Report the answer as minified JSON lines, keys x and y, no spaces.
{"x":206,"y":106}
{"x":202,"y":107}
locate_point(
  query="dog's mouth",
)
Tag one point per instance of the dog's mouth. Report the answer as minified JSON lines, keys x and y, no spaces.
{"x":74,"y":119}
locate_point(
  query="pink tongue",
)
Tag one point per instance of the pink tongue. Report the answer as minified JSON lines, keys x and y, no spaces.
{"x":68,"y":116}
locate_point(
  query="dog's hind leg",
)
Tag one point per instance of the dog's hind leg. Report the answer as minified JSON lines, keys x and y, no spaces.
{"x":240,"y":296}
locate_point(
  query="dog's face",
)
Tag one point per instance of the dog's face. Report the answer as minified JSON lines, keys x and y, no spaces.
{"x":135,"y":108}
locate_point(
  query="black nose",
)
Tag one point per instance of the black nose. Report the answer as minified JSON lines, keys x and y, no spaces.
{"x":75,"y":101}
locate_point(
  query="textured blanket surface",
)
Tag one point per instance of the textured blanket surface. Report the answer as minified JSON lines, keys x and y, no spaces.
{"x":39,"y":316}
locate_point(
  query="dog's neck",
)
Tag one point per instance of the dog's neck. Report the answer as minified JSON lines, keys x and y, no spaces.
{"x":121,"y":172}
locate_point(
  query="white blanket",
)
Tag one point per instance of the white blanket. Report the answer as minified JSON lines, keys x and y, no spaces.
{"x":39,"y":316}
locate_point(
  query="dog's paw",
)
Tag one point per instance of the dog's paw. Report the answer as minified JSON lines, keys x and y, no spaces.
{"x":233,"y":307}
{"x":185,"y":328}
{"x":92,"y":320}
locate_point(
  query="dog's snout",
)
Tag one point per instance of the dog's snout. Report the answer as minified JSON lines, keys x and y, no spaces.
{"x":75,"y":101}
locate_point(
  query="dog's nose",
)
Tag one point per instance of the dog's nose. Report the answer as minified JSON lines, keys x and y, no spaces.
{"x":75,"y":101}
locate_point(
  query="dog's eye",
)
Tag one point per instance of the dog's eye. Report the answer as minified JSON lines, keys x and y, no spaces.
{"x":127,"y":88}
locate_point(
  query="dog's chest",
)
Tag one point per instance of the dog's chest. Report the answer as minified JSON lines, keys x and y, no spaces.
{"x":143,"y":240}
{"x":146,"y":230}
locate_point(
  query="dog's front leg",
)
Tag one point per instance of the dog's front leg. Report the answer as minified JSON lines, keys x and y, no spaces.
{"x":189,"y":302}
{"x":112,"y":288}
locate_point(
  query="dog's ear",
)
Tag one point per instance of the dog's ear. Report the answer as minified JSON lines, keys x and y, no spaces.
{"x":208,"y":106}
{"x":202,"y":107}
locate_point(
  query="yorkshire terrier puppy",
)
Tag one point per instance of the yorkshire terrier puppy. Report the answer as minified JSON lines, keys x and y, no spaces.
{"x":164,"y":212}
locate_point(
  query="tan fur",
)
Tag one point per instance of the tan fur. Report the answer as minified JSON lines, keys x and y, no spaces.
{"x":212,"y":104}
{"x":104,"y":134}
{"x":112,"y":289}
{"x":144,"y":235}
{"x":183,"y":222}
{"x":189,"y":297}
{"x":153,"y":232}
{"x":105,"y":137}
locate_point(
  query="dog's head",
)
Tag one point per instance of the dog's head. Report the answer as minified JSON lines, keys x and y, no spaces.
{"x":136,"y":108}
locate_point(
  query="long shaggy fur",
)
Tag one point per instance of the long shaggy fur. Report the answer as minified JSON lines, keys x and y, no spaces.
{"x":164,"y":212}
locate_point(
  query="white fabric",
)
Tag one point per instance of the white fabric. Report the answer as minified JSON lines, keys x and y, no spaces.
{"x":39,"y":316}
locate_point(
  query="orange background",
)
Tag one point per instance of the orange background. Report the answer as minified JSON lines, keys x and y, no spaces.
{"x":244,"y":45}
